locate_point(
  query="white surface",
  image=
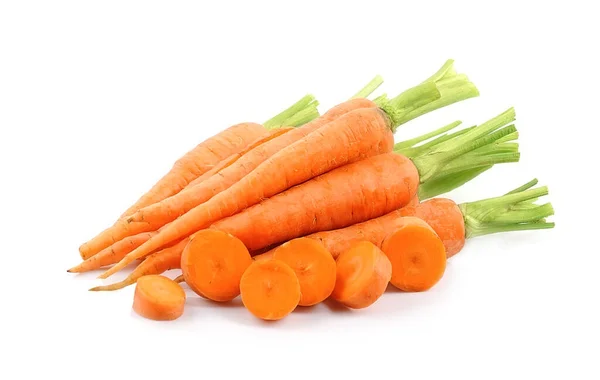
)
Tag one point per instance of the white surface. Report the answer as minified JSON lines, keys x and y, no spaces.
{"x":97,"y":99}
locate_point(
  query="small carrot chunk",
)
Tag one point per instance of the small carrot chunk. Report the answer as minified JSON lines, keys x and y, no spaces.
{"x":159,"y":298}
{"x":270,"y":289}
{"x":213,"y":263}
{"x":363,"y":273}
{"x":314,"y":267}
{"x":417,"y":255}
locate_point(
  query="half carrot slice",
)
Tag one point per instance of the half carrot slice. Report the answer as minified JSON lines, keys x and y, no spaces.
{"x":213,"y":263}
{"x":159,"y":298}
{"x":270,"y":289}
{"x":363,"y":273}
{"x":417,"y":255}
{"x":314,"y":267}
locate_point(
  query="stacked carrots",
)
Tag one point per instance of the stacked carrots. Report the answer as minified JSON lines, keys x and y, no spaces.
{"x":309,"y":207}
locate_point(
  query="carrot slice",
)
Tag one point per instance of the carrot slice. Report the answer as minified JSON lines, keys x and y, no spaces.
{"x":159,"y":298}
{"x":363,"y":273}
{"x":314,"y":267}
{"x":270,"y":289}
{"x":417,"y":255}
{"x":213,"y":263}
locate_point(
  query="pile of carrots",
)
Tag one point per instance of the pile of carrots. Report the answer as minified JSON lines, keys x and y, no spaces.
{"x":307,"y":207}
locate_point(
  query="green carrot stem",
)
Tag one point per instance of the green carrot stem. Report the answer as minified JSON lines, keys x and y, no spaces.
{"x":477,"y":161}
{"x":444,"y":184}
{"x":524,"y":187}
{"x":369,"y":88}
{"x":509,"y":212}
{"x":306,"y":115}
{"x":426,"y":136}
{"x":510,"y":137}
{"x":496,"y":148}
{"x":277,"y":120}
{"x":447,"y":70}
{"x":381,"y":100}
{"x":422,"y":149}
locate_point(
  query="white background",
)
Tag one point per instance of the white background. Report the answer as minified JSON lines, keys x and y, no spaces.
{"x":97,"y":99}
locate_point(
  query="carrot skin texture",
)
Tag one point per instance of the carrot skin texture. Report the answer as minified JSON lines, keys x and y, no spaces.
{"x":356,"y":135}
{"x":270,"y":290}
{"x":191,"y":165}
{"x":156,"y":263}
{"x":112,"y":254}
{"x":158,"y":298}
{"x":446,"y":219}
{"x":363,"y":273}
{"x":417,"y":255}
{"x":342,"y":197}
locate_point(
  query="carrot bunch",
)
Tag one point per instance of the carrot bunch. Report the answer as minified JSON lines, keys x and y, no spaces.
{"x":309,"y":207}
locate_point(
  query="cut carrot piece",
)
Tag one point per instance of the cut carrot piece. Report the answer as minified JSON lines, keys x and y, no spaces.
{"x":159,"y":298}
{"x":270,"y":289}
{"x":417,"y":255}
{"x":314,"y":267}
{"x":363,"y":273}
{"x":213,"y":263}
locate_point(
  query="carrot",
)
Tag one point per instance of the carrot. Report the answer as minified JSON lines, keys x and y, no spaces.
{"x":213,"y":263}
{"x":270,"y":289}
{"x":355,"y":135}
{"x":159,"y":298}
{"x":353,"y":193}
{"x":455,"y":223}
{"x":112,"y":254}
{"x":314,"y":267}
{"x":362,"y":275}
{"x":157,"y":263}
{"x":417,"y":255}
{"x":195,"y":163}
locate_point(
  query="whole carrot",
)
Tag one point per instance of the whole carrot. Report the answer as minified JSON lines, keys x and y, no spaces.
{"x":352,"y":137}
{"x":157,"y":263}
{"x":196,"y":162}
{"x":356,"y":192}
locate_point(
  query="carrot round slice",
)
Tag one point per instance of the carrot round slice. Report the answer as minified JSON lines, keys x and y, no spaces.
{"x":363,"y":273}
{"x":270,"y":289}
{"x":159,"y":298}
{"x":213,"y":263}
{"x":314,"y":267}
{"x":417,"y":255}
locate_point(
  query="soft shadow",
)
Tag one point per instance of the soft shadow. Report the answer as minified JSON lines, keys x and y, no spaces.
{"x":392,"y":289}
{"x":336,"y":307}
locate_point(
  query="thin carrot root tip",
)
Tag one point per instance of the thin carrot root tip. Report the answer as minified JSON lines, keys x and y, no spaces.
{"x":270,"y":289}
{"x":314,"y":266}
{"x":417,"y":255}
{"x":213,"y":263}
{"x":362,"y":275}
{"x":158,"y":298}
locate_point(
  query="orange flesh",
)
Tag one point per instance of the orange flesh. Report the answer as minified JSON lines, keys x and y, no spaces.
{"x":213,"y":263}
{"x":314,"y":267}
{"x":159,"y":298}
{"x":270,"y":289}
{"x":363,"y":273}
{"x":417,"y":255}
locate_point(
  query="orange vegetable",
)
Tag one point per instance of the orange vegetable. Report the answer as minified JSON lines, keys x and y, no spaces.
{"x":417,"y":255}
{"x":270,"y":289}
{"x":159,"y":298}
{"x":363,"y":273}
{"x":314,"y":267}
{"x":157,"y":263}
{"x":213,"y":263}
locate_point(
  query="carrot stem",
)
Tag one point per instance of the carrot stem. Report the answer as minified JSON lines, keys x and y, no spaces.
{"x":302,"y":117}
{"x":447,"y":183}
{"x":369,"y":88}
{"x":419,"y":139}
{"x":277,"y":120}
{"x":510,"y":212}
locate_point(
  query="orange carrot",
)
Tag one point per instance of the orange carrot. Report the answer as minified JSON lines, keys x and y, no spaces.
{"x":213,"y":263}
{"x":363,"y":273}
{"x":156,"y":263}
{"x":197,"y":162}
{"x":314,"y":267}
{"x":112,"y":254}
{"x":270,"y":289}
{"x":417,"y":255}
{"x":356,"y":135}
{"x":159,"y":298}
